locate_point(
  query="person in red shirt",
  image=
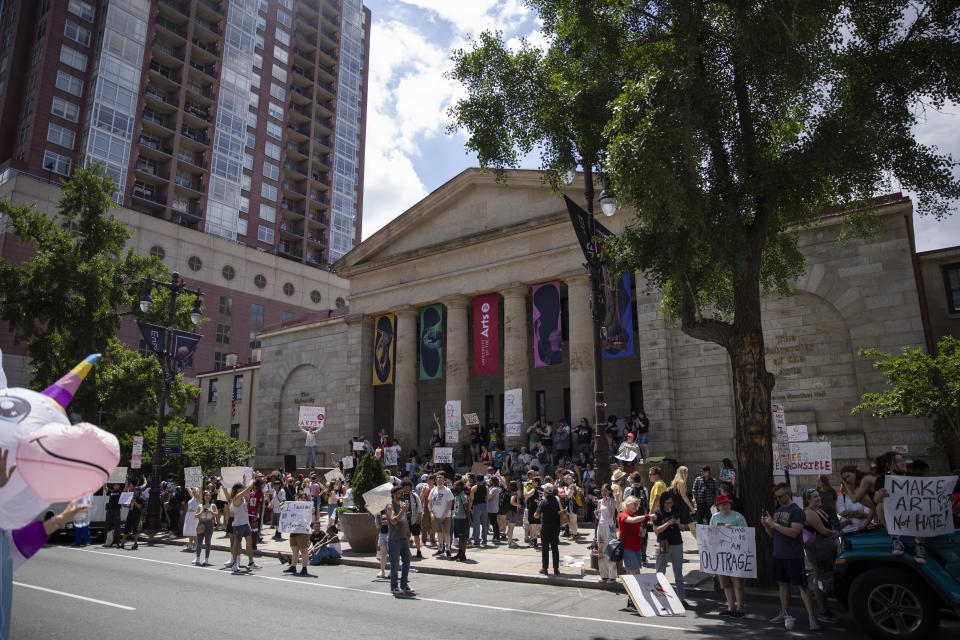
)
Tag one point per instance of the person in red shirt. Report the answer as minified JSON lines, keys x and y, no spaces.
{"x":633,"y":532}
{"x":254,"y":507}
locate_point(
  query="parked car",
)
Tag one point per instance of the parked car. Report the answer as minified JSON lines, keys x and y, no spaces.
{"x":894,"y":597}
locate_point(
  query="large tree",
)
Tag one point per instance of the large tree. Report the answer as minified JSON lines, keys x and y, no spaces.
{"x":735,"y":124}
{"x":68,"y":299}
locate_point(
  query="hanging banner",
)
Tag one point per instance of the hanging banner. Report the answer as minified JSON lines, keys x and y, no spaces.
{"x":184,"y":346}
{"x":513,"y":412}
{"x":385,"y":327}
{"x":728,"y":551}
{"x":616,"y":331}
{"x":431,"y":342}
{"x":547,"y":334}
{"x":486,"y":333}
{"x":452,"y":411}
{"x":312,"y":417}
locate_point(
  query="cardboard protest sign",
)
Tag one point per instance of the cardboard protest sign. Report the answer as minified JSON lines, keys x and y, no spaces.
{"x":296,"y":517}
{"x":378,"y":498}
{"x":795,"y":433}
{"x":443,"y":455}
{"x":136,"y":453}
{"x":125,"y":498}
{"x":471,"y":418}
{"x":347,"y":462}
{"x":451,"y":436}
{"x":513,"y":413}
{"x":918,"y":506}
{"x":728,"y":551}
{"x":358,"y":445}
{"x":806,"y":458}
{"x":453,"y":418}
{"x":628,"y":455}
{"x":229,"y":476}
{"x":652,"y":594}
{"x":118,"y":476}
{"x":390,"y":456}
{"x":192,"y":477}
{"x":312,"y":417}
{"x":479,"y":469}
{"x":333,"y":476}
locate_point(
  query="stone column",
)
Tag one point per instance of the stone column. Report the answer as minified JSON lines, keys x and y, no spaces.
{"x":457,"y":379}
{"x":405,"y":378}
{"x":358,"y":381}
{"x":582,"y":395}
{"x":516,"y":354}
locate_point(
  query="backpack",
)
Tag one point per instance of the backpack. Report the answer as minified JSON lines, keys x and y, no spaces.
{"x":504,"y":501}
{"x":639,"y":492}
{"x":578,"y":498}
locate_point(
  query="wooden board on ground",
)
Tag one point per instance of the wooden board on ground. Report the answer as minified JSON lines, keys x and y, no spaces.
{"x":652,"y":594}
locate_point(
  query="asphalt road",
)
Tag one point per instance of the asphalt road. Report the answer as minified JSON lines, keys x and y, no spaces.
{"x":154,"y":592}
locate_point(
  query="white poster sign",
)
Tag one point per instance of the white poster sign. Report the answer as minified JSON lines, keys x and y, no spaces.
{"x":453,"y":417}
{"x":125,"y":498}
{"x":192,"y":477}
{"x":378,"y":498}
{"x":333,"y":476}
{"x":358,"y":445}
{"x":347,"y":462}
{"x":513,"y":413}
{"x":296,"y":516}
{"x":806,"y":458}
{"x":919,"y":506}
{"x":312,"y":417}
{"x":118,"y":476}
{"x":900,"y":448}
{"x":779,"y":416}
{"x":443,"y":455}
{"x":390,"y":456}
{"x":136,"y":454}
{"x":652,"y":594}
{"x":728,"y":551}
{"x":471,"y":418}
{"x":793,"y":433}
{"x":229,"y":476}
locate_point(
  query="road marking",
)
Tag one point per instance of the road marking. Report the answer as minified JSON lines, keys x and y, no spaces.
{"x":418,"y":598}
{"x":73,"y":595}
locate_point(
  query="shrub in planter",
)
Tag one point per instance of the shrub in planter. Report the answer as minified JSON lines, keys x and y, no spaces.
{"x":370,"y":473}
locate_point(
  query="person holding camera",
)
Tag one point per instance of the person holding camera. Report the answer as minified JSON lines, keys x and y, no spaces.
{"x":670,"y":541}
{"x":398,"y":542}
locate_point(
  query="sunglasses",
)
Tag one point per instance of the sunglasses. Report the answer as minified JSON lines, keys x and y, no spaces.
{"x":780,"y":495}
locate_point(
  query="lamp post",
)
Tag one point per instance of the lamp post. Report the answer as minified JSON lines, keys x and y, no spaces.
{"x":594,"y":265}
{"x":170,"y":365}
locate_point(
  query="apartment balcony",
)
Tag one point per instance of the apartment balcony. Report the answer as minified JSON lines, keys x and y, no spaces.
{"x":207,"y":25}
{"x":150,"y":169}
{"x":194,"y":136}
{"x":315,"y":259}
{"x":198,"y":111}
{"x":205,"y":51}
{"x":324,"y":126}
{"x":210,"y":9}
{"x":289,"y":207}
{"x":325,"y":91}
{"x":154,"y":147}
{"x":305,"y":55}
{"x":159,"y":99}
{"x":288,"y":229}
{"x":187,"y":207}
{"x":304,"y":72}
{"x":148,"y":193}
{"x":153,"y":120}
{"x":297,"y":168}
{"x":192,"y":161}
{"x":290,"y":249}
{"x":317,"y":239}
{"x":294,"y":187}
{"x":166,"y":53}
{"x":164,"y":76}
{"x":167,"y":25}
{"x":304,"y":93}
{"x":210,"y":70}
{"x":303,"y":112}
{"x":299,"y":133}
{"x":323,"y":144}
{"x":320,"y":198}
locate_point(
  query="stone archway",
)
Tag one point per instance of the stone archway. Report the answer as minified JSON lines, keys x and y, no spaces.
{"x":300,"y":386}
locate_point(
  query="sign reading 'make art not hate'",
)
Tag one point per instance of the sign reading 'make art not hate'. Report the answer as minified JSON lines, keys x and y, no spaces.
{"x":919,"y":506}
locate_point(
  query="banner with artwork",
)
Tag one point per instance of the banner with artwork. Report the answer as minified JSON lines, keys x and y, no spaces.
{"x":486,"y":333}
{"x":431,"y":342}
{"x":453,"y":413}
{"x":547,"y":334}
{"x":385,"y":331}
{"x":616,"y":331}
{"x":513,"y":412}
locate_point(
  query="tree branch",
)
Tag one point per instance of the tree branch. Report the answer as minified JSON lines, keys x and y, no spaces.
{"x":696,"y":326}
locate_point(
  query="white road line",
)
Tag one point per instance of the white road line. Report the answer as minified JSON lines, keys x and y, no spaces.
{"x":73,"y":595}
{"x":418,"y":598}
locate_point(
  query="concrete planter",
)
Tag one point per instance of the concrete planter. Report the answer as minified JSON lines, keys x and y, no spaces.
{"x":360,"y":532}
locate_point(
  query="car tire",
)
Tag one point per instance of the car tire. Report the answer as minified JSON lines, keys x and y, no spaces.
{"x":890,"y":604}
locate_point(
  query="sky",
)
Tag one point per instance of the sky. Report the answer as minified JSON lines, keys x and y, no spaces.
{"x":408,"y":150}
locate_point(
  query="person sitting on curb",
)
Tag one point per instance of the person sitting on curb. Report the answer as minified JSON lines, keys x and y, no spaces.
{"x":327,"y":550}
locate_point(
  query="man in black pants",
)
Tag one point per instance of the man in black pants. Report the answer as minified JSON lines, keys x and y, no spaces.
{"x":549,"y":512}
{"x":113,"y":516}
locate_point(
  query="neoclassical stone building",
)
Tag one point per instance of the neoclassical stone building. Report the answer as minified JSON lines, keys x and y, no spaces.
{"x":473,"y":236}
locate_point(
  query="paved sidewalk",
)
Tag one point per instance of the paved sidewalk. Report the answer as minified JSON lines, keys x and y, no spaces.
{"x":499,"y":562}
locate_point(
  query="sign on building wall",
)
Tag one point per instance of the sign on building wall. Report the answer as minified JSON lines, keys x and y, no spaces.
{"x":385,"y":327}
{"x":547,"y":334}
{"x":513,"y":412}
{"x":486,"y":333}
{"x":431,"y":342}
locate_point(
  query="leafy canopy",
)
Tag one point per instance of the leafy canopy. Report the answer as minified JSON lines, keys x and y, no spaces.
{"x":921,"y":385}
{"x":206,"y":447}
{"x":68,"y":299}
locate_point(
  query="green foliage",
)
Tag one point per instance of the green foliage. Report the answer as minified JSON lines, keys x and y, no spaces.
{"x":921,"y":385}
{"x":208,"y":448}
{"x":67,"y":301}
{"x":369,"y":473}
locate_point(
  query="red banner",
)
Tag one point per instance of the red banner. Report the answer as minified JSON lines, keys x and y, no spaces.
{"x":486,"y":333}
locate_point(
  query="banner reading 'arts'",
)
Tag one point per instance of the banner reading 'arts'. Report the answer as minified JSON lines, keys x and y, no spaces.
{"x":486,"y":333}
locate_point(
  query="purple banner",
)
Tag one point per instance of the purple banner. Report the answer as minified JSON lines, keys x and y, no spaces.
{"x":547,"y":336}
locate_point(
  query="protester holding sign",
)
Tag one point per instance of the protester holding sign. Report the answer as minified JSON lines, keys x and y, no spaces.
{"x":732,"y":585}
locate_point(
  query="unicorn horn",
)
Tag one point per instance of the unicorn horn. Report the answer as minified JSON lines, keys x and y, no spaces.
{"x":63,"y":389}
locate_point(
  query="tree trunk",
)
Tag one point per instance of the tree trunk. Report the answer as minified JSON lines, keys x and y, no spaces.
{"x":752,"y":386}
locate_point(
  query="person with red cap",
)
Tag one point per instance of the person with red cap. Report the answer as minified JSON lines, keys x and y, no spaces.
{"x":732,"y":586}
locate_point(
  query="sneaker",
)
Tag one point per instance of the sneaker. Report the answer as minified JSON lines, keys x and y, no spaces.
{"x":408,"y":591}
{"x":438,"y":552}
{"x":556,"y":572}
{"x":290,"y":569}
{"x":195,"y":561}
{"x":897,"y":547}
{"x":419,"y":555}
{"x":254,"y":565}
{"x":303,"y":573}
{"x":814,"y":626}
{"x":789,"y":621}
{"x":229,"y":563}
{"x":726,"y":612}
{"x":686,"y":605}
{"x":396,"y":592}
{"x":920,"y":553}
{"x":236,"y":568}
{"x":382,"y":575}
{"x":738,"y":614}
{"x":544,"y":571}
{"x":828,"y":618}
{"x":778,"y":618}
{"x":630,"y":606}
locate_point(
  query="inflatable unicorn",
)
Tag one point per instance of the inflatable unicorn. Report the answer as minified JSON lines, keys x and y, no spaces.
{"x":46,"y":460}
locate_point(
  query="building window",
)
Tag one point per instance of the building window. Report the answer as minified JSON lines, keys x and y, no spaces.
{"x":157,"y":252}
{"x":244,"y":204}
{"x":251,"y":120}
{"x":82,"y":9}
{"x":38,"y":53}
{"x":271,"y":170}
{"x":212,"y":391}
{"x":256,"y":312}
{"x":24,"y":133}
{"x":235,"y":431}
{"x":69,"y":83}
{"x":42,"y":29}
{"x":32,"y":84}
{"x":228,"y":272}
{"x":194,"y":263}
{"x":285,"y":315}
{"x":258,"y":61}
{"x":64,"y":109}
{"x":248,"y":162}
{"x":284,"y":18}
{"x":268,"y":213}
{"x":280,"y":54}
{"x":72,"y":57}
{"x":268,"y":191}
{"x":265,"y":234}
{"x":241,"y":226}
{"x":283,"y":37}
{"x":223,"y":334}
{"x":238,"y":388}
{"x":60,"y":135}
{"x":279,"y":73}
{"x":254,"y":343}
{"x":219,"y":360}
{"x":77,"y":33}
{"x":288,"y":288}
{"x":951,"y":280}
{"x":271,"y":150}
{"x":57,"y":163}
{"x":275,"y":110}
{"x":226,"y":306}
{"x":274,"y":130}
{"x":315,"y":297}
{"x":341,"y":303}
{"x":278,"y":92}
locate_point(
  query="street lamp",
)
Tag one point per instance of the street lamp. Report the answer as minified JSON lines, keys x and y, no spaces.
{"x":171,"y":363}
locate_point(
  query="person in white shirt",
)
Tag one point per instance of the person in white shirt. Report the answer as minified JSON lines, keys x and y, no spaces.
{"x":853,"y":515}
{"x":311,"y":445}
{"x":441,"y":503}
